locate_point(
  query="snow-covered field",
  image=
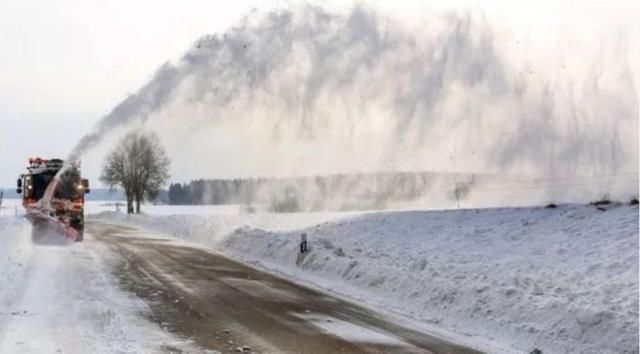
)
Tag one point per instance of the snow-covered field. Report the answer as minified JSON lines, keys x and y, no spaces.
{"x":11,"y":207}
{"x":93,"y":207}
{"x":564,"y":280}
{"x":62,"y":299}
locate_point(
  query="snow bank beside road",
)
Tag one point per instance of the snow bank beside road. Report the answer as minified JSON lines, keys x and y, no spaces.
{"x":213,"y":228}
{"x":562,"y":280}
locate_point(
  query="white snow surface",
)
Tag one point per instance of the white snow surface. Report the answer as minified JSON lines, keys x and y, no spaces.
{"x":563,"y":280}
{"x":63,"y":299}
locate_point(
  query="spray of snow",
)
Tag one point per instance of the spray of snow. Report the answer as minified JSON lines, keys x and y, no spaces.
{"x":304,"y":91}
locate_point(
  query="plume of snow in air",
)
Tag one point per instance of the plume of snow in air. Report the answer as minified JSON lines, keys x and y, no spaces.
{"x":304,"y":91}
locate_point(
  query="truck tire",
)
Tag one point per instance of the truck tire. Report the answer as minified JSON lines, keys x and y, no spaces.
{"x":80,"y":236}
{"x":78,"y":225}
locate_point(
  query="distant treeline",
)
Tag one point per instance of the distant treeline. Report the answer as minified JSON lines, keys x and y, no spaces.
{"x":309,"y":193}
{"x":214,"y":191}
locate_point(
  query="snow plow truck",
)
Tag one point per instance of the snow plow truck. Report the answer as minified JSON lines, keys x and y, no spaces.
{"x":64,"y":213}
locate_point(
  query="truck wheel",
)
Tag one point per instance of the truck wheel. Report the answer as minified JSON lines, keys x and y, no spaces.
{"x":78,"y":225}
{"x":80,"y":236}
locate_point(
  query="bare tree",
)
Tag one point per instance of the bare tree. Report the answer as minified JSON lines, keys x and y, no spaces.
{"x":140,"y":165}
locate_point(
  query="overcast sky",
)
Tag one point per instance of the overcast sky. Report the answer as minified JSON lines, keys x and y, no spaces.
{"x":65,"y":63}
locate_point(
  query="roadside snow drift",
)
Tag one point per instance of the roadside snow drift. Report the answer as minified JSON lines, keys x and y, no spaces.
{"x":561,"y":280}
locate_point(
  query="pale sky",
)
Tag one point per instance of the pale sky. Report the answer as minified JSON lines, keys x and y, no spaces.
{"x":65,"y":63}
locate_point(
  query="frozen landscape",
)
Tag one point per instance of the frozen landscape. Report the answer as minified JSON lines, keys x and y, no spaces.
{"x":500,"y":280}
{"x":366,"y":176}
{"x":559,"y":279}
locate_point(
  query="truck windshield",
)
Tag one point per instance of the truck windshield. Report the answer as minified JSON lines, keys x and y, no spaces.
{"x":40,"y":182}
{"x":67,"y":188}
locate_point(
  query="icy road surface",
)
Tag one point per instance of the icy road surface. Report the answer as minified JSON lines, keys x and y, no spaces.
{"x":226,"y":306}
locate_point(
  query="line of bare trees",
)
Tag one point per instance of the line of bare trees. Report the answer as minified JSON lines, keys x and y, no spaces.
{"x":139,"y":165}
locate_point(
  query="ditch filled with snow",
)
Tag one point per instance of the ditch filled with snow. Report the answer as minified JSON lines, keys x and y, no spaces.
{"x":559,"y":279}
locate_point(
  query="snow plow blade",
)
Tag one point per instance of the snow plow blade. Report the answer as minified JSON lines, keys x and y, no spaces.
{"x":47,"y":229}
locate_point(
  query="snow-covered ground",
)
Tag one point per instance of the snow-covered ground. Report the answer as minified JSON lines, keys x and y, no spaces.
{"x":62,"y":299}
{"x":11,"y":207}
{"x":564,"y":280}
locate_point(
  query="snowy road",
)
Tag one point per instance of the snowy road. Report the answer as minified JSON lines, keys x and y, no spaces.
{"x":226,"y":306}
{"x":63,"y":299}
